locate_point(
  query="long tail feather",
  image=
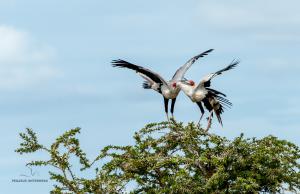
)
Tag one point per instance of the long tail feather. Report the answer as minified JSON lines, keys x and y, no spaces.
{"x":219,"y":118}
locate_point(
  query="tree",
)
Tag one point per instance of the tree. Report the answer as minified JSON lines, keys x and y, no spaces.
{"x":173,"y":159}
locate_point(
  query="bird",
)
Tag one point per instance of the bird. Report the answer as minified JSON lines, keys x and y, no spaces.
{"x":213,"y":100}
{"x":168,"y":89}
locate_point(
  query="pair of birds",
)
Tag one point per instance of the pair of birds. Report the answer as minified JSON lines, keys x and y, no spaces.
{"x":213,"y":100}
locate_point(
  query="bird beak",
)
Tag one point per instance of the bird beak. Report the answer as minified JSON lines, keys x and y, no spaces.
{"x":184,"y":81}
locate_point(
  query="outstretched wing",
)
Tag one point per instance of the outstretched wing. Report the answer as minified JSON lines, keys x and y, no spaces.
{"x":179,"y":74}
{"x":206,"y":80}
{"x":145,"y":73}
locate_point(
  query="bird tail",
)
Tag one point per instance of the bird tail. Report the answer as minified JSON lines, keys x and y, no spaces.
{"x":218,"y":114}
{"x":224,"y":101}
{"x":220,"y":97}
{"x":217,"y":103}
{"x":218,"y":109}
{"x":146,"y":85}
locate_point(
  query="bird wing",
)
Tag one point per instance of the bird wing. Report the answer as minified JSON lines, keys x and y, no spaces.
{"x":179,"y":74}
{"x":206,"y":80}
{"x":145,"y":73}
{"x":148,"y":79}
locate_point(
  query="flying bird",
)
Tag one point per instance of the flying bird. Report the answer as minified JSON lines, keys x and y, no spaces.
{"x":213,"y":100}
{"x":168,"y":89}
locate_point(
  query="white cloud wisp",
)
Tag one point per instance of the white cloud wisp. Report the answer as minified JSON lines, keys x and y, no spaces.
{"x":23,"y":61}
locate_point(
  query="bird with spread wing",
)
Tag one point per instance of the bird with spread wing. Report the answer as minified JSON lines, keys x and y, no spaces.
{"x":213,"y":100}
{"x":168,"y":89}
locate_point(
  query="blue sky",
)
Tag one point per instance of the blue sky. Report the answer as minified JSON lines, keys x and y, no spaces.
{"x":55,"y":69}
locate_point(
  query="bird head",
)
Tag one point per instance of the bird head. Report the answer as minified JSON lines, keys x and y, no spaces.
{"x":191,"y":82}
{"x":174,"y":85}
{"x":187,"y":82}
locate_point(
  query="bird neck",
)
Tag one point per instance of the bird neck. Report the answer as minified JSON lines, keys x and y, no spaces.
{"x":188,"y":90}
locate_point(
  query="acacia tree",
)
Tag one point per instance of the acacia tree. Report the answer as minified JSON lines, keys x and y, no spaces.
{"x":172,"y":159}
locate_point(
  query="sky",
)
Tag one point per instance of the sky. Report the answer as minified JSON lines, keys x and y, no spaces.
{"x":55,"y":71}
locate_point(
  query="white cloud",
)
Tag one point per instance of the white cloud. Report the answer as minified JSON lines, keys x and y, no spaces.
{"x":23,"y":61}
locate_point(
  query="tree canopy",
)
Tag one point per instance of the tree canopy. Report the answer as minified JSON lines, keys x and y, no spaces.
{"x":172,"y":158}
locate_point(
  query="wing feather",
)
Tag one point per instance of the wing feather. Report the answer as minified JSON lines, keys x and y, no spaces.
{"x":144,"y":72}
{"x":206,"y":81}
{"x":179,"y":74}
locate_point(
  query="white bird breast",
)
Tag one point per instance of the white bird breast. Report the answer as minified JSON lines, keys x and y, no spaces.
{"x":199,"y":95}
{"x":169,"y":93}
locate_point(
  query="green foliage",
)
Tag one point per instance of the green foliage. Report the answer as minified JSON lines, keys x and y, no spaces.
{"x":174,"y":159}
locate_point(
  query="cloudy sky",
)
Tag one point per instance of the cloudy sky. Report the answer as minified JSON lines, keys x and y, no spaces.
{"x":55,"y":69}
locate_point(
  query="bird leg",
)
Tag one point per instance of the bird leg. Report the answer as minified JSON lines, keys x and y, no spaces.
{"x":166,"y":101}
{"x":200,"y":119}
{"x":168,"y":117}
{"x":202,"y":112}
{"x":172,"y":107}
{"x":209,"y":121}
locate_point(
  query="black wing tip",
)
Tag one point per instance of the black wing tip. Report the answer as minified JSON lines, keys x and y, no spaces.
{"x":234,"y":63}
{"x":119,"y":63}
{"x":117,"y":60}
{"x":208,"y":51}
{"x":205,"y":53}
